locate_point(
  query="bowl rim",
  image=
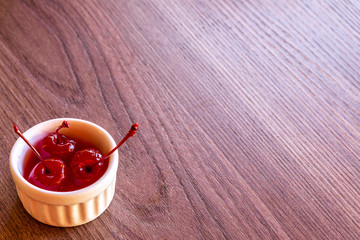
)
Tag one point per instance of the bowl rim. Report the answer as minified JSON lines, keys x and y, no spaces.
{"x":63,"y":198}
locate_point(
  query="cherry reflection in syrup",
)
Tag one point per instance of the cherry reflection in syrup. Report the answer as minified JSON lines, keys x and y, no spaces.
{"x":72,"y":164}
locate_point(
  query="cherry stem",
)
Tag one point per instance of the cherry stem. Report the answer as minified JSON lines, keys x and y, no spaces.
{"x":17,"y":131}
{"x":65,"y":124}
{"x":131,"y":133}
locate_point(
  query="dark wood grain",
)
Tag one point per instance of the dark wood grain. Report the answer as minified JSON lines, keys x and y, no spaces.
{"x":249,"y":113}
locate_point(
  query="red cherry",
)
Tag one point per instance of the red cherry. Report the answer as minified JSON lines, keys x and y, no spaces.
{"x":51,"y":178}
{"x":57,"y":144}
{"x":47,"y":174}
{"x":87,"y":165}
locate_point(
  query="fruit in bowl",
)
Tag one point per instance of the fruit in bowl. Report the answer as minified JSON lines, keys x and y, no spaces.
{"x":68,"y":168}
{"x":65,"y":179}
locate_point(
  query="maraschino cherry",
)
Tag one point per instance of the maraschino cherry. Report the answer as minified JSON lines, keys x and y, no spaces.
{"x":87,"y":164}
{"x":57,"y":144}
{"x":48,"y":174}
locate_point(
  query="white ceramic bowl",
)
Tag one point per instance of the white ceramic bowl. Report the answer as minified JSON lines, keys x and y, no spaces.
{"x":65,"y":209}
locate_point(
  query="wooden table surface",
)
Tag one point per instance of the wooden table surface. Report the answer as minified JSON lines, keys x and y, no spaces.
{"x":249,"y":112}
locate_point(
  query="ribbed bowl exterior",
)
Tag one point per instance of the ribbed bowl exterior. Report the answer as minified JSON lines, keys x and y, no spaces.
{"x":68,"y":215}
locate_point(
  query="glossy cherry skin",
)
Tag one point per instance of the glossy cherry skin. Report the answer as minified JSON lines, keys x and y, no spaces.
{"x":53,"y":179}
{"x":86,"y":167}
{"x":58,"y":145}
